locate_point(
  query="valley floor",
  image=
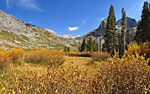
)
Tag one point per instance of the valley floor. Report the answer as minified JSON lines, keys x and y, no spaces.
{"x":81,"y":62}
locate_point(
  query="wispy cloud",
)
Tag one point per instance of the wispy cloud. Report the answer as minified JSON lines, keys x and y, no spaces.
{"x":27,"y":4}
{"x":73,"y":28}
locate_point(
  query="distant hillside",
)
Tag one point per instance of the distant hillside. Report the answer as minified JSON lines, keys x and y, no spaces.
{"x":16,"y":33}
{"x":68,"y":36}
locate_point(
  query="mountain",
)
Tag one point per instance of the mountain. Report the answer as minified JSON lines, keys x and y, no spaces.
{"x":53,"y":32}
{"x":16,"y":33}
{"x":131,"y":23}
{"x":100,"y":31}
{"x":68,"y":36}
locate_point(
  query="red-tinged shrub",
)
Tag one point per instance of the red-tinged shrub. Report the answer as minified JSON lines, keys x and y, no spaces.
{"x":79,"y":54}
{"x":98,"y":56}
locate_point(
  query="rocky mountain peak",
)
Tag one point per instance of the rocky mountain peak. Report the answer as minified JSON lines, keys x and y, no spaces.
{"x":131,"y":23}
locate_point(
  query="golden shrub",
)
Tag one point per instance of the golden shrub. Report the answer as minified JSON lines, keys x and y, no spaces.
{"x":4,"y":60}
{"x":43,"y":56}
{"x":57,"y":80}
{"x":16,"y":55}
{"x":145,"y":49}
{"x":133,"y":49}
{"x":129,"y":75}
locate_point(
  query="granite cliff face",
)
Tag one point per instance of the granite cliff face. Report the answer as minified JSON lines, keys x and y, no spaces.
{"x":16,"y":33}
{"x":131,"y":23}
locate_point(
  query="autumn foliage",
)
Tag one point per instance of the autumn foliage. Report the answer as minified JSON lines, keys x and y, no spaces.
{"x":16,"y":55}
{"x":127,"y":75}
{"x":142,"y":49}
{"x":98,"y":56}
{"x":4,"y":60}
{"x":43,"y":56}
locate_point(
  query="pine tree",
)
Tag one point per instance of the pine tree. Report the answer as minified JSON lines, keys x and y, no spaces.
{"x":143,"y":33}
{"x":83,"y":45}
{"x":123,"y":31}
{"x":128,"y":37}
{"x":95,"y":46}
{"x":68,"y":49}
{"x":90,"y":44}
{"x":111,"y":39}
{"x":79,"y":48}
{"x":65,"y":49}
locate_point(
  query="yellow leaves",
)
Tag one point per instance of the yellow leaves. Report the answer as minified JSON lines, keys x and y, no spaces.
{"x":13,"y":92}
{"x":3,"y":90}
{"x":56,"y":91}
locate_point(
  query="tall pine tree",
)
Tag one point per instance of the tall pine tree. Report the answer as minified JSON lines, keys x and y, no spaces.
{"x":90,"y":44}
{"x":123,"y":31}
{"x":111,"y":39}
{"x":83,"y":45}
{"x":143,"y":29}
{"x":128,"y":37}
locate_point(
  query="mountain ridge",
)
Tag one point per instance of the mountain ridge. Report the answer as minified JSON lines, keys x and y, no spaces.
{"x":16,"y":33}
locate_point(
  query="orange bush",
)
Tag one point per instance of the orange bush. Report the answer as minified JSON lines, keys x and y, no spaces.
{"x":16,"y":55}
{"x":43,"y":56}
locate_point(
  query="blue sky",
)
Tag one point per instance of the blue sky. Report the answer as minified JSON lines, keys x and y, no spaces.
{"x":76,"y":17}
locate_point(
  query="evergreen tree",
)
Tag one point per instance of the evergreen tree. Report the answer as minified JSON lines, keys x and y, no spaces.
{"x":123,"y":31}
{"x":68,"y":49}
{"x":65,"y":49}
{"x":143,"y":33}
{"x":83,"y":45}
{"x":79,"y":48}
{"x":95,"y":46}
{"x":111,"y":39}
{"x":90,"y":44}
{"x":128,"y":37}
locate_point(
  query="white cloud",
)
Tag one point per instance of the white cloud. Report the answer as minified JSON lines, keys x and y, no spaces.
{"x":73,"y":28}
{"x":27,"y":4}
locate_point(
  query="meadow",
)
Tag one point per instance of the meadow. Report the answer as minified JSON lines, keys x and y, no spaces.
{"x":40,"y":71}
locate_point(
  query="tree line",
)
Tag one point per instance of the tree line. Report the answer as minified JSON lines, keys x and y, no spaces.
{"x":118,"y":40}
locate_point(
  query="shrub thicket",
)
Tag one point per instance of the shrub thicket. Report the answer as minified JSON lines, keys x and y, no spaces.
{"x":4,"y":60}
{"x":43,"y":56}
{"x":100,"y":56}
{"x":16,"y":55}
